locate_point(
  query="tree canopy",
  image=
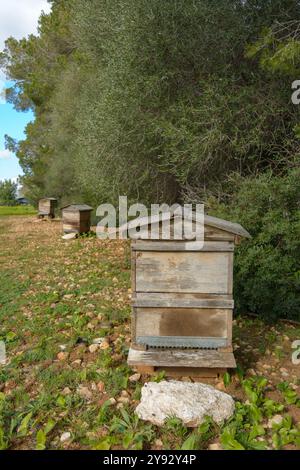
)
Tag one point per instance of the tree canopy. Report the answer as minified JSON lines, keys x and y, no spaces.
{"x":160,"y":101}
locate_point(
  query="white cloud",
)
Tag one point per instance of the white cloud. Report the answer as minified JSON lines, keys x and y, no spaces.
{"x":6,"y":154}
{"x":18,"y":18}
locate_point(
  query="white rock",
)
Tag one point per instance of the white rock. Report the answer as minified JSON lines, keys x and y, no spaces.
{"x":65,"y":436}
{"x":190,"y":402}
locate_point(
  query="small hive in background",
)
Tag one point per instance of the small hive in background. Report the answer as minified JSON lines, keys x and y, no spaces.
{"x":47,"y":207}
{"x":76,"y":218}
{"x":182,"y":299}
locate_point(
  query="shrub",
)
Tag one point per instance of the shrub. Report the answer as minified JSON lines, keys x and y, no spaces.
{"x":267,"y":268}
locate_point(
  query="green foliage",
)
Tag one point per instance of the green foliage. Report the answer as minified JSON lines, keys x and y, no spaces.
{"x":133,"y":431}
{"x":8,"y":193}
{"x":290,"y":396}
{"x":41,"y":436}
{"x":199,"y":438}
{"x":245,"y":430}
{"x":151,"y":99}
{"x":267,"y":268}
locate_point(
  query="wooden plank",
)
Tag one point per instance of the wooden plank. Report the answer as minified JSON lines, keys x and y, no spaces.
{"x":229,"y":327}
{"x":158,"y":300}
{"x":182,"y":322}
{"x":140,"y":245}
{"x":145,"y":370}
{"x":181,"y":358}
{"x":215,"y":234}
{"x":230,"y":273}
{"x":181,"y":295}
{"x":182,"y":342}
{"x":182,"y":272}
{"x":133,"y":272}
{"x":196,"y":373}
{"x":133,"y":288}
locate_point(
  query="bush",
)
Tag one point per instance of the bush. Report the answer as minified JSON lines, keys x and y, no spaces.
{"x":8,"y":193}
{"x":267,"y":268}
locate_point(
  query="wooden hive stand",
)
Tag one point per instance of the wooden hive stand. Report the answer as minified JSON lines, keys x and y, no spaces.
{"x":182,"y":302}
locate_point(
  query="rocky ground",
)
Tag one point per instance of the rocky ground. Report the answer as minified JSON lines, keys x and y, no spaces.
{"x":65,"y":310}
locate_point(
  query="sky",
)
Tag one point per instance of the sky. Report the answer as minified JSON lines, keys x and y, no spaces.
{"x":18,"y":18}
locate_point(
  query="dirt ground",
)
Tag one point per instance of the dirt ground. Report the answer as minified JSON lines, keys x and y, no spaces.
{"x":65,"y":320}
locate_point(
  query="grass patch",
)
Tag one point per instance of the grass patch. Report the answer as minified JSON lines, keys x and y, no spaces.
{"x":17,"y":210}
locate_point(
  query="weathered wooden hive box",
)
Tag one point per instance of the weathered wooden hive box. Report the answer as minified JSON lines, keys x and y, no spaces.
{"x":76,"y":218}
{"x":47,"y":207}
{"x":182,"y":300}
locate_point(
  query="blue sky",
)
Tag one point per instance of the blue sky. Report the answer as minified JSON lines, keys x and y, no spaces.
{"x":18,"y":18}
{"x":13,"y":124}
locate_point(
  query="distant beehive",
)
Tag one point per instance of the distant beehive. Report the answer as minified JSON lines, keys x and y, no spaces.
{"x":47,"y":207}
{"x":76,"y":218}
{"x":182,"y":299}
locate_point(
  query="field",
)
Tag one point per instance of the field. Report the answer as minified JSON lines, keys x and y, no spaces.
{"x":16,"y":210}
{"x":60,"y":390}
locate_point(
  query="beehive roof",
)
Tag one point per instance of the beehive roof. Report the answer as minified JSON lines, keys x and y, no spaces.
{"x":215,"y":222}
{"x":77,"y":207}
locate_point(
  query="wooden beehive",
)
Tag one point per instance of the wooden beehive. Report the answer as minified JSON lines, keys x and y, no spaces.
{"x":47,"y":207}
{"x":182,"y":299}
{"x":76,"y":218}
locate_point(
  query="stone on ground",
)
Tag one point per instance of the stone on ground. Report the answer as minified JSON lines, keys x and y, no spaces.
{"x":190,"y":402}
{"x":69,"y":236}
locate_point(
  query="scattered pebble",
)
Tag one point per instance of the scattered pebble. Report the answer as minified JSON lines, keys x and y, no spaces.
{"x":220,"y":386}
{"x":123,"y":400}
{"x":277,"y":419}
{"x":134,"y":378}
{"x":77,"y":362}
{"x":104,"y":345}
{"x":98,"y":340}
{"x":84,"y":392}
{"x":66,"y":436}
{"x":101,"y":387}
{"x":93,"y":348}
{"x":215,"y":446}
{"x":62,"y":356}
